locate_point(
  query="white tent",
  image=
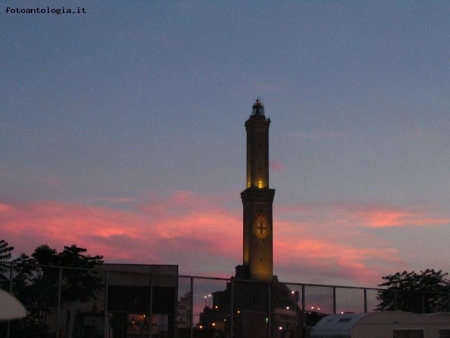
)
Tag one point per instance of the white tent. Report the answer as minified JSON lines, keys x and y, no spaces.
{"x":10,"y":307}
{"x":385,"y":324}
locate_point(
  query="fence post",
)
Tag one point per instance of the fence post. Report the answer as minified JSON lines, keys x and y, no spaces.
{"x":106,"y":323}
{"x":269,"y":313}
{"x":334,"y":300}
{"x":8,"y":332}
{"x":423,"y":302}
{"x":365,"y":300}
{"x":395,"y":300}
{"x":232,"y":309}
{"x":150,"y":316}
{"x":303,"y":312}
{"x":192,"y":308}
{"x":58,"y":316}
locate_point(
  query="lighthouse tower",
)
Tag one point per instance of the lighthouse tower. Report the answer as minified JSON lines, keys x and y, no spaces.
{"x":257,"y":200}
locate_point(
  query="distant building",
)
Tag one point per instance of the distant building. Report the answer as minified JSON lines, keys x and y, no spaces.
{"x":139,"y":300}
{"x":184,"y":314}
{"x":139,"y":291}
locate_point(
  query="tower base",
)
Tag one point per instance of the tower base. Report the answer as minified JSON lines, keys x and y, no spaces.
{"x":242,"y":272}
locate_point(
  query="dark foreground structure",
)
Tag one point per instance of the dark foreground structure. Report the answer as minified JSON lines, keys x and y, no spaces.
{"x":259,"y":309}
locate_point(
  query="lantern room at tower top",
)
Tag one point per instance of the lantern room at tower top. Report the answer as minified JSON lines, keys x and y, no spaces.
{"x":258,"y":108}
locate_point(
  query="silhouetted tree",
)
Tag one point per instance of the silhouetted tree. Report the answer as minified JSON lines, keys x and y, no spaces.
{"x":426,"y":292}
{"x":36,"y":283}
{"x":80,"y":284}
{"x":5,"y":250}
{"x":5,"y":255}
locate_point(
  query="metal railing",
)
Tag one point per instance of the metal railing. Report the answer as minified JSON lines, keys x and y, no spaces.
{"x":137,"y":304}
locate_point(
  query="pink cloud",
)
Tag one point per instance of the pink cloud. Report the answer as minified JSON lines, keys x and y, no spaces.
{"x":375,"y":215}
{"x":327,"y":251}
{"x":321,"y":243}
{"x":276,"y":166}
{"x":330,"y":241}
{"x":184,"y":230}
{"x":381,"y":216}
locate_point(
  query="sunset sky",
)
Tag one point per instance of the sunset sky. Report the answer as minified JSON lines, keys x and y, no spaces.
{"x":122,"y":131}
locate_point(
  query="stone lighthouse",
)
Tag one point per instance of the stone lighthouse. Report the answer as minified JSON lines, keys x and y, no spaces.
{"x":257,"y":200}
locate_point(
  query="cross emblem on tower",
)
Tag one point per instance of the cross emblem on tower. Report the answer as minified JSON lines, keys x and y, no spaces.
{"x":261,"y":228}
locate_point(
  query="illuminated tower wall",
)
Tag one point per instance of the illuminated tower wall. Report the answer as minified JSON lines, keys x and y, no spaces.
{"x":257,"y":198}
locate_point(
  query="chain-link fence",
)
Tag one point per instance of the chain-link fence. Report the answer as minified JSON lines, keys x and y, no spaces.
{"x":137,"y":301}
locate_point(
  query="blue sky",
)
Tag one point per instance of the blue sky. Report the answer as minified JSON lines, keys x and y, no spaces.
{"x":122,"y":131}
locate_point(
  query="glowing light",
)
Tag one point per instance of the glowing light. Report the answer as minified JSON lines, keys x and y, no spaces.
{"x":280,"y":328}
{"x":260,"y":184}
